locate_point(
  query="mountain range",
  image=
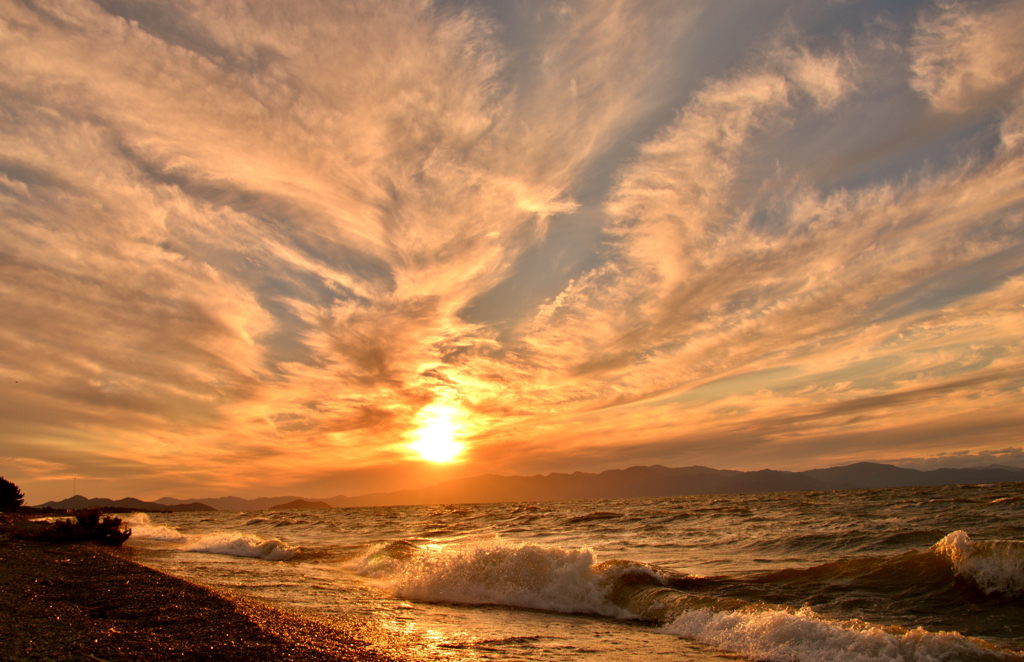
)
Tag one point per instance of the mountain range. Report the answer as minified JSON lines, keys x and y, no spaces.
{"x":79,"y":502}
{"x":650,"y":481}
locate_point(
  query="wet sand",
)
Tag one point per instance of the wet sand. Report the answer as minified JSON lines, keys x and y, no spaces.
{"x":86,"y":602}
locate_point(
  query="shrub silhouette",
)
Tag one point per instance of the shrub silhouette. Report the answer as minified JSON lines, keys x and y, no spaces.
{"x":11,"y":497}
{"x":86,"y":527}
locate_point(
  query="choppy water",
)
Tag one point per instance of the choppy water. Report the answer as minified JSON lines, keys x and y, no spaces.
{"x":898,"y":574}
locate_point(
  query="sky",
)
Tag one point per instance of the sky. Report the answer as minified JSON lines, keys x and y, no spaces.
{"x":322,"y":248}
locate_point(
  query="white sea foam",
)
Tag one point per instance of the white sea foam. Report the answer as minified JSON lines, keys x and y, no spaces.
{"x":994,"y":565}
{"x":143,"y":529}
{"x":241,"y":544}
{"x":571,"y":581}
{"x":225,"y":542}
{"x":530,"y":576}
{"x":803,"y":636}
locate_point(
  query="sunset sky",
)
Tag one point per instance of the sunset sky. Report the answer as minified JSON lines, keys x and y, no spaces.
{"x":260,"y":248}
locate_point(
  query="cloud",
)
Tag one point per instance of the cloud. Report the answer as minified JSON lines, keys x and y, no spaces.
{"x":713,"y":277}
{"x":827,"y":78}
{"x":1008,"y":457}
{"x":245,"y":240}
{"x":963,"y":55}
{"x":266,"y":220}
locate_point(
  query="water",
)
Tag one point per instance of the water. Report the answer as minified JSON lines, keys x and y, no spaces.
{"x":898,"y":574}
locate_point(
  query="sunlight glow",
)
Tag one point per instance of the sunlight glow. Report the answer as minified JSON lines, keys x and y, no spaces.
{"x":436,"y":436}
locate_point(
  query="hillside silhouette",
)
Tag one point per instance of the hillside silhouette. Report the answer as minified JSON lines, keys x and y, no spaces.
{"x":640,"y":481}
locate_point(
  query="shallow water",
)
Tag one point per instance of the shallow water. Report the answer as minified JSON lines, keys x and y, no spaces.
{"x":898,"y":574}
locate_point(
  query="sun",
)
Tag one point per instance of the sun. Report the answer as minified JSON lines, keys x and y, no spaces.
{"x":436,"y":436}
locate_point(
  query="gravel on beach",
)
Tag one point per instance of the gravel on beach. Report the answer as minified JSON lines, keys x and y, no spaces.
{"x":86,"y":602}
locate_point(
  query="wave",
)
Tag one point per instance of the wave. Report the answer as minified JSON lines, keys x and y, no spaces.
{"x":996,"y":566}
{"x":144,"y":529}
{"x":386,"y":559}
{"x":932,"y":576}
{"x":528,"y":576}
{"x":704,"y":609}
{"x":804,"y":636}
{"x":228,"y":543}
{"x":241,"y":544}
{"x":593,"y":517}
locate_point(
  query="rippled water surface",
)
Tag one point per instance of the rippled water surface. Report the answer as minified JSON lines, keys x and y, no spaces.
{"x":899,"y":574}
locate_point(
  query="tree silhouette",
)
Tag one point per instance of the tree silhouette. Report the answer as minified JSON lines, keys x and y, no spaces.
{"x":10,"y":496}
{"x":88,"y":527}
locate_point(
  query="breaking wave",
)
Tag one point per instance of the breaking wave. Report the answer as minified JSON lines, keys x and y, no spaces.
{"x":529,"y":576}
{"x":573,"y":581}
{"x":241,"y":544}
{"x":228,"y":543}
{"x":143,"y":529}
{"x":868,"y":581}
{"x":994,"y":565}
{"x":802,"y":635}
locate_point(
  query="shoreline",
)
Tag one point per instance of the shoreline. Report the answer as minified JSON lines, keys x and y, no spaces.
{"x":87,"y":602}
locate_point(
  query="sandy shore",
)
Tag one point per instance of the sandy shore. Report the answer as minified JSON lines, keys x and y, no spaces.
{"x":85,"y":602}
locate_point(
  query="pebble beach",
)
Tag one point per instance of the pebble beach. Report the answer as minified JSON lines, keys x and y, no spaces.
{"x":87,"y":602}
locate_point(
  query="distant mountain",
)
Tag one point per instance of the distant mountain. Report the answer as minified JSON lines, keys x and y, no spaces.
{"x":658,"y":481}
{"x":612,"y":484}
{"x":653,"y":481}
{"x":1002,"y":466}
{"x":871,"y":475}
{"x":234,"y":503}
{"x":79,"y":502}
{"x":767,"y":480}
{"x":302,"y":504}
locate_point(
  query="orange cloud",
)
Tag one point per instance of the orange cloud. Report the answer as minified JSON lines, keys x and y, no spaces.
{"x":264,"y":241}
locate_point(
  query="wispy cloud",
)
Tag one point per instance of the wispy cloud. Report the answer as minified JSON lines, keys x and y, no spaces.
{"x":1009,"y":457}
{"x":964,"y":58}
{"x":243,"y":241}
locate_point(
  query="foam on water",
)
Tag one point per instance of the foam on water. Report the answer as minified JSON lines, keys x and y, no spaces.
{"x":241,"y":544}
{"x":804,"y":636}
{"x":530,"y":576}
{"x":224,"y":542}
{"x":863,"y":566}
{"x":572,"y":581}
{"x":995,"y":566}
{"x":143,"y":529}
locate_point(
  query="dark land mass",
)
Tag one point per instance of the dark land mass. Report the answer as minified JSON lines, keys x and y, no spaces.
{"x":658,"y":481}
{"x":653,"y":481}
{"x":233,"y":503}
{"x":85,"y":602}
{"x":128,"y":505}
{"x":302,"y":504}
